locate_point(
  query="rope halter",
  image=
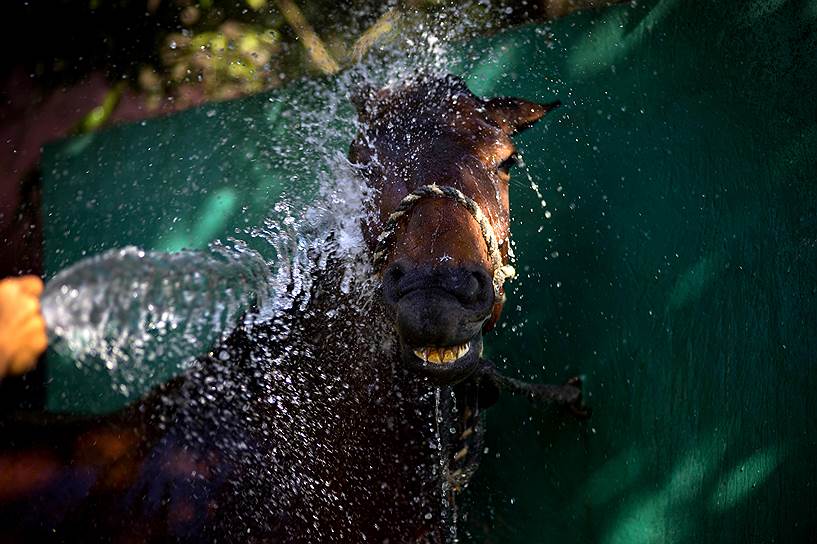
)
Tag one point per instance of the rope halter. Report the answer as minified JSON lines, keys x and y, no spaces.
{"x":501,"y":271}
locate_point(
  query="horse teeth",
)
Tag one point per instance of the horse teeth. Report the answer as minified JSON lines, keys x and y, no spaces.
{"x":442,"y":355}
{"x":422,"y":354}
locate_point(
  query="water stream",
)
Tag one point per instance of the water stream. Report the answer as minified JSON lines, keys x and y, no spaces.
{"x":129,"y":306}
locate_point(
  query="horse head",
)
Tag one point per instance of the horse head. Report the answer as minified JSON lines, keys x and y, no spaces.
{"x":438,"y":158}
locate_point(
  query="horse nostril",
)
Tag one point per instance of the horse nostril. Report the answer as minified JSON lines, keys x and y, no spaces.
{"x":469,"y":290}
{"x":472,"y":286}
{"x":391,"y":282}
{"x":483,"y":280}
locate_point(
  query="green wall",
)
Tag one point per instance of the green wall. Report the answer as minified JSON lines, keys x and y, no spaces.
{"x":677,"y":270}
{"x":684,"y":282}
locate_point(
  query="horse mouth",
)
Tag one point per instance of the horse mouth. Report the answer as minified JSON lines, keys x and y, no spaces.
{"x":439,"y":316}
{"x":445,"y":365}
{"x":442,"y":355}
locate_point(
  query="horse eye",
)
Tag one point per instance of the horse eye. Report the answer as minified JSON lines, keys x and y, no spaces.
{"x":506,"y":165}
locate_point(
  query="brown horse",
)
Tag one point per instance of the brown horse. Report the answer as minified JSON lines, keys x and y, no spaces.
{"x":335,"y":421}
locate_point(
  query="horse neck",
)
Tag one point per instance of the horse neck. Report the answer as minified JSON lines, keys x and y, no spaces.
{"x":323,"y":401}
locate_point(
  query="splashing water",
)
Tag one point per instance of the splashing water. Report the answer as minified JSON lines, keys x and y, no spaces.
{"x":128,"y":306}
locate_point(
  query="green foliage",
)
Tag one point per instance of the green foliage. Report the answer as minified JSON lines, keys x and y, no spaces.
{"x":234,"y":59}
{"x":192,"y":51}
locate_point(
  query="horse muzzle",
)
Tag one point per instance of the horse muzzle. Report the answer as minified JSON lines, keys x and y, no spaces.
{"x":439,"y":313}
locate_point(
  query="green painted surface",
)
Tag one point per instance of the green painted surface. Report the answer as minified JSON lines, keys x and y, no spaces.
{"x":677,"y":270}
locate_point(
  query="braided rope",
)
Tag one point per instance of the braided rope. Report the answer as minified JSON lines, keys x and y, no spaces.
{"x":501,"y":271}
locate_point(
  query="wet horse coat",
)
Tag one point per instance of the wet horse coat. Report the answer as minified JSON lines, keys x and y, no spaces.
{"x":323,"y":424}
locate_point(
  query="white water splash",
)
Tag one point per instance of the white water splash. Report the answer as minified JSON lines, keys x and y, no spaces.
{"x":133,"y":307}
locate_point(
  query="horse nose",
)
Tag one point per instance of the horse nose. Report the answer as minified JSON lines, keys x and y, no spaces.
{"x":471,"y":285}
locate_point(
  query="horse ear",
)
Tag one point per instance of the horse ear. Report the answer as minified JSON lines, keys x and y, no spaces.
{"x":516,"y":114}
